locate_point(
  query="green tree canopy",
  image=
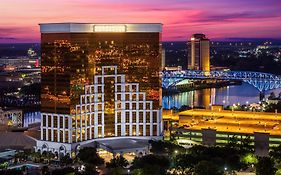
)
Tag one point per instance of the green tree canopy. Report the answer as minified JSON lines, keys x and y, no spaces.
{"x":118,"y":161}
{"x":151,"y":164}
{"x":207,"y":168}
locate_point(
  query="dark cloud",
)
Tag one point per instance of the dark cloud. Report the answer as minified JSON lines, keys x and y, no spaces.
{"x":8,"y":38}
{"x":229,"y":17}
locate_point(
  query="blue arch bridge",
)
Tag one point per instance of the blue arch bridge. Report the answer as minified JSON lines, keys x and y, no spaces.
{"x":261,"y":81}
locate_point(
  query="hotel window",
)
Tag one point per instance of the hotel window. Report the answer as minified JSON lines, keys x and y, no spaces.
{"x":147,"y":118}
{"x":127,"y":130}
{"x":155,"y":130}
{"x":93,"y":133}
{"x":49,"y":122}
{"x":127,"y":117}
{"x":147,"y":105}
{"x":99,"y":89}
{"x":66,"y":122}
{"x":154,"y":117}
{"x":140,"y":97}
{"x":127,"y":88}
{"x":134,"y":88}
{"x":134,"y":129}
{"x":140,"y":130}
{"x":83,"y":99}
{"x":140,"y":105}
{"x":127,"y":106}
{"x":118,"y":117}
{"x":44,"y":134}
{"x":99,"y":132}
{"x":83,"y":116}
{"x":140,"y":117}
{"x":118,"y":130}
{"x":99,"y":98}
{"x":61,"y":121}
{"x":119,"y":105}
{"x":134,"y":117}
{"x":127,"y":97}
{"x":88,"y":133}
{"x":134,"y":106}
{"x":60,"y":135}
{"x":147,"y":130}
{"x":99,"y":118}
{"x":93,"y":119}
{"x":88,"y":119}
{"x":44,"y":120}
{"x":88,"y":99}
{"x":99,"y":107}
{"x":119,"y":97}
{"x":49,"y":135}
{"x":66,"y":136}
{"x":134,"y":97}
{"x":118,"y":88}
{"x":55,"y":119}
{"x":119,"y":79}
{"x":99,"y":80}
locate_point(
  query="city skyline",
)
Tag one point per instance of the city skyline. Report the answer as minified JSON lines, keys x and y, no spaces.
{"x":218,"y":19}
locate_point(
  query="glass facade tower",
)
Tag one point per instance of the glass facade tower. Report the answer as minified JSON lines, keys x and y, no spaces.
{"x":73,"y":54}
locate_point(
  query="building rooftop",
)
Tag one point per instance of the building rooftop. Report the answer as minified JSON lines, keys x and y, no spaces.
{"x":99,"y":27}
{"x":117,"y":145}
{"x":16,"y":140}
{"x":231,"y":121}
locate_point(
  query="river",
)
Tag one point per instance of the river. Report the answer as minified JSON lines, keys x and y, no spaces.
{"x":242,"y":94}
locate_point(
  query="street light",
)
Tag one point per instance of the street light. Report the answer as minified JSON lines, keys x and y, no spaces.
{"x":225,"y":168}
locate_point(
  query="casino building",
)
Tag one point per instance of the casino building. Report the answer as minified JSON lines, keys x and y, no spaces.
{"x":101,"y":84}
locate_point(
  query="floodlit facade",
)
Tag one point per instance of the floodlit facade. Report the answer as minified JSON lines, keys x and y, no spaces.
{"x":99,"y":81}
{"x":199,"y":53}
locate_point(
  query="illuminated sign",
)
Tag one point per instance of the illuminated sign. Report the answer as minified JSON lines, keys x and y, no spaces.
{"x":110,"y":28}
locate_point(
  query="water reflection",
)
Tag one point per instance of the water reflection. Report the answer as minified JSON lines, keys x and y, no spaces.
{"x":230,"y":95}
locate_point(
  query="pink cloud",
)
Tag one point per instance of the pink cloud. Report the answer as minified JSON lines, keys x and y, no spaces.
{"x":181,"y":18}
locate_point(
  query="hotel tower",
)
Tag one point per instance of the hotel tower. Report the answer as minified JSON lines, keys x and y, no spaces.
{"x":199,"y":53}
{"x":99,"y":82}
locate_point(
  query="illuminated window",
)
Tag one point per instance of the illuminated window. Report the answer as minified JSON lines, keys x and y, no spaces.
{"x":134,"y":106}
{"x":110,"y":28}
{"x":134,"y":117}
{"x":127,"y":105}
{"x":154,"y":117}
{"x":140,"y":105}
{"x":140,"y":117}
{"x":140,"y":130}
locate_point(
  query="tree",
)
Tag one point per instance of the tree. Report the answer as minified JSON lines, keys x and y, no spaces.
{"x":90,"y":158}
{"x":45,"y":170}
{"x":272,"y":96}
{"x":207,"y":168}
{"x":275,"y":154}
{"x":116,"y":165}
{"x":48,"y":156}
{"x":273,"y":107}
{"x":163,"y":147}
{"x":150,"y":164}
{"x":67,"y":170}
{"x":118,"y":161}
{"x":265,"y":166}
{"x":66,"y":160}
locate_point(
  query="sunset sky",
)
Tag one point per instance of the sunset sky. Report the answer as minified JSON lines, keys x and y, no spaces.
{"x":216,"y":18}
